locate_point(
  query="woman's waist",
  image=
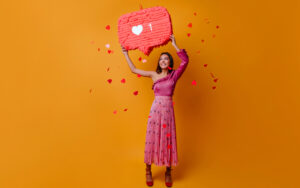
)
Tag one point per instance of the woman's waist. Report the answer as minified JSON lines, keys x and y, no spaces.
{"x":163,"y":97}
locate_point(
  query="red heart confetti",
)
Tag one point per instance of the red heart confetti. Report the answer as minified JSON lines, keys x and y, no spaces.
{"x":173,"y":103}
{"x":115,"y":111}
{"x":149,"y":116}
{"x":140,"y":59}
{"x":190,"y":25}
{"x":170,"y":68}
{"x":109,"y":80}
{"x":125,"y":109}
{"x":205,"y":65}
{"x":168,"y":134}
{"x":202,"y":40}
{"x":214,"y":87}
{"x":123,"y":80}
{"x":98,"y":49}
{"x":109,"y":51}
{"x":216,"y":79}
{"x":214,"y":35}
{"x":169,"y":146}
{"x":217,"y":27}
{"x":189,"y":34}
{"x":164,"y":125}
{"x":107,"y":27}
{"x":212,"y":75}
{"x":194,"y":82}
{"x":135,"y":93}
{"x":138,"y":75}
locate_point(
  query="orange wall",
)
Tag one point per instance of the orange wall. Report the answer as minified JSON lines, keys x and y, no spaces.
{"x":58,"y":128}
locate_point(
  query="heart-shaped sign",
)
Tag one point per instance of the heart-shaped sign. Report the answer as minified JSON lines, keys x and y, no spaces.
{"x":137,"y":29}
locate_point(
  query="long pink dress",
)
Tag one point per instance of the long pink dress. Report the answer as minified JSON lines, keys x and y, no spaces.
{"x":161,"y":143}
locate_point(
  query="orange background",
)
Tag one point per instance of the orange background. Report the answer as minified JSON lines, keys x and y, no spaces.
{"x":56,"y":133}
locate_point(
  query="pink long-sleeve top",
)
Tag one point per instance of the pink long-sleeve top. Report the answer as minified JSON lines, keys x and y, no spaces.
{"x":165,"y":86}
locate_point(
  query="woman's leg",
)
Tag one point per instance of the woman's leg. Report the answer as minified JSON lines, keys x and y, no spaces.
{"x":168,"y":175}
{"x":148,"y":173}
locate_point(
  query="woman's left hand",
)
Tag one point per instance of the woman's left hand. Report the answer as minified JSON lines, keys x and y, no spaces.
{"x":173,"y":39}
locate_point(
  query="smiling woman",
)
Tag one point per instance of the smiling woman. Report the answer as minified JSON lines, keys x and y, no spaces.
{"x":161,"y":143}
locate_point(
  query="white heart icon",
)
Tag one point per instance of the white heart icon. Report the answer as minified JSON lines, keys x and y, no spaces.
{"x":137,"y":29}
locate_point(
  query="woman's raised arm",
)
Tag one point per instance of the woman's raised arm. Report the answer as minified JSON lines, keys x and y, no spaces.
{"x":184,"y":59}
{"x":133,"y":68}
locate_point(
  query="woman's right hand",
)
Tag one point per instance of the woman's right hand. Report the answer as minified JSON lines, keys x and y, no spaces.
{"x":125,"y":52}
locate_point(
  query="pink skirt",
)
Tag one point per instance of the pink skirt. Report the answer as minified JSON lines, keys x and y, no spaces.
{"x":161,"y":144}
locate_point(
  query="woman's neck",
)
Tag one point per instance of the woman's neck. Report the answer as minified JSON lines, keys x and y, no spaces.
{"x":164,"y":72}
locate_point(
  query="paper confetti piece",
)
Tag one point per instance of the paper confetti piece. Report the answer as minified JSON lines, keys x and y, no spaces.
{"x":125,"y":109}
{"x":107,"y":27}
{"x":217,"y":27}
{"x":212,"y":75}
{"x":216,"y":79}
{"x":135,"y":93}
{"x":115,"y":111}
{"x":205,"y":65}
{"x":123,"y":80}
{"x":140,"y":59}
{"x":169,"y":146}
{"x":109,"y":51}
{"x":189,"y":34}
{"x":214,"y":87}
{"x":168,"y":134}
{"x":194,"y":82}
{"x":149,"y":116}
{"x":138,"y":75}
{"x":107,"y":69}
{"x":170,"y":68}
{"x":141,"y":7}
{"x":144,"y":61}
{"x":107,"y":45}
{"x":173,"y":103}
{"x":206,"y":20}
{"x":190,"y":25}
{"x":109,"y":80}
{"x":214,"y":35}
{"x":164,"y":125}
{"x":202,"y":40}
{"x":195,"y":13}
{"x":98,"y":49}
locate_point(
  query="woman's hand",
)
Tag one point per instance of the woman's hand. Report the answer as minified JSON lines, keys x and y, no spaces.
{"x":125,"y":52}
{"x":174,"y":43}
{"x":173,"y":39}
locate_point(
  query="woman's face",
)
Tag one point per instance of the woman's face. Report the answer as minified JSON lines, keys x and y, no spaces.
{"x":164,"y":61}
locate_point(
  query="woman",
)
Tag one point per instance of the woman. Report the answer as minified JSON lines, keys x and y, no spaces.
{"x":161,"y":146}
